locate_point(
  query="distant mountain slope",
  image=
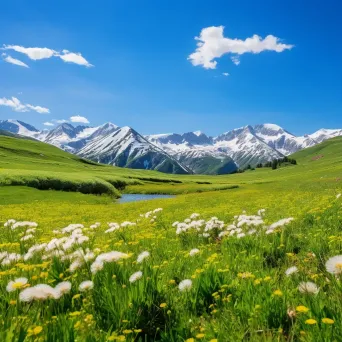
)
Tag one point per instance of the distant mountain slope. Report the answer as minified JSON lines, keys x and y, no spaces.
{"x":127,"y":148}
{"x":18,"y":127}
{"x":188,"y":152}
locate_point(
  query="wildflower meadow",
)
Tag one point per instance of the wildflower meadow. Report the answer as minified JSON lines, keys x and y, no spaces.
{"x":257,"y":262}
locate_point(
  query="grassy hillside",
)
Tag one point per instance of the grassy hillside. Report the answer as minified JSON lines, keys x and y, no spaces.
{"x":239,"y":287}
{"x":35,"y":164}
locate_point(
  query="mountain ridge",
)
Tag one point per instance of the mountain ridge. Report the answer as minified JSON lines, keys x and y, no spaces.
{"x":190,"y":152}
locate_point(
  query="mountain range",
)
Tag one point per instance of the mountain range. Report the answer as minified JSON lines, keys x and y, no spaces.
{"x":192,"y":152}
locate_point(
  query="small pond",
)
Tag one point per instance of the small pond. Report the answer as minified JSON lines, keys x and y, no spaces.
{"x":141,"y":197}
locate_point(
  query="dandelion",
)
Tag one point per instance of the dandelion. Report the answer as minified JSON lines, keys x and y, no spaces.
{"x":96,"y":266}
{"x":194,"y":251}
{"x":328,"y":321}
{"x":75,"y":265}
{"x":291,"y":270}
{"x":163,"y":305}
{"x":302,"y":309}
{"x":17,"y":284}
{"x":308,"y":287}
{"x":38,"y":292}
{"x":185,"y":285}
{"x":63,"y":288}
{"x":135,"y":276}
{"x":334,"y":265}
{"x":35,"y":331}
{"x":310,"y":321}
{"x":200,"y":336}
{"x":278,"y":293}
{"x":142,"y":256}
{"x":86,"y":286}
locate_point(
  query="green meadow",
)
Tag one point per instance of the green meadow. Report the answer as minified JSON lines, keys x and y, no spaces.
{"x":237,"y":287}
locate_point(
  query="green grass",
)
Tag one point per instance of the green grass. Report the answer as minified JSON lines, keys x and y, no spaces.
{"x":225,"y":303}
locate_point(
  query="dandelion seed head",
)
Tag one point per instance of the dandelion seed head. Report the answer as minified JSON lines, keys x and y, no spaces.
{"x":86,"y":286}
{"x":291,"y":270}
{"x":308,"y":287}
{"x":334,"y":265}
{"x":135,"y":276}
{"x":194,"y":251}
{"x":185,"y":285}
{"x":142,"y":256}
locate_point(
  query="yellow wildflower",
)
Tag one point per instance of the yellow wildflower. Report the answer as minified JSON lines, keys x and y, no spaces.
{"x":311,"y":321}
{"x":277,"y":293}
{"x":328,"y":321}
{"x":163,"y":305}
{"x":199,"y":336}
{"x":302,"y":308}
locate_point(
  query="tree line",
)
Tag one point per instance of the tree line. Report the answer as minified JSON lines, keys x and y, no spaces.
{"x":274,"y":164}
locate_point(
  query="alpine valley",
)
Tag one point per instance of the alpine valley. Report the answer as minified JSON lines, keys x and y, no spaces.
{"x":192,"y":152}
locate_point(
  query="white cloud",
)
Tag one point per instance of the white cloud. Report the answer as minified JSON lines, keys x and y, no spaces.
{"x":48,"y":124}
{"x":60,"y":121}
{"x":77,"y":58}
{"x":17,"y":106}
{"x":15,"y":61}
{"x":212,"y":44}
{"x":37,"y":53}
{"x":235,"y":60}
{"x":225,"y":74}
{"x":79,"y":119}
{"x":38,"y":109}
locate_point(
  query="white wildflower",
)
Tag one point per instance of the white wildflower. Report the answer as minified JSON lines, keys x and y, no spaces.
{"x":135,"y":276}
{"x":308,"y":287}
{"x":63,"y":287}
{"x":17,"y":284}
{"x":96,"y":266}
{"x":86,"y":286}
{"x":194,"y":251}
{"x":185,"y":285}
{"x":27,"y":237}
{"x":142,"y":256}
{"x":334,"y":265}
{"x":291,"y":270}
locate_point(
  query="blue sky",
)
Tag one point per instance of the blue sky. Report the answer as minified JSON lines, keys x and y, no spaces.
{"x":141,"y":75}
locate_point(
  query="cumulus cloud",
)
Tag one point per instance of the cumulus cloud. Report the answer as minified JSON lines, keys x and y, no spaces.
{"x":48,"y":124}
{"x":17,"y":106}
{"x":225,"y":74}
{"x":37,"y":53}
{"x":79,"y":119}
{"x":15,"y":61}
{"x":212,"y":44}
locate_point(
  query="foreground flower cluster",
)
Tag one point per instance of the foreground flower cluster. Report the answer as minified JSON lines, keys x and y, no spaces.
{"x":138,"y":280}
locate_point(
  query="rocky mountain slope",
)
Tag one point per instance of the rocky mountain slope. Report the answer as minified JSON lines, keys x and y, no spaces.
{"x":192,"y":152}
